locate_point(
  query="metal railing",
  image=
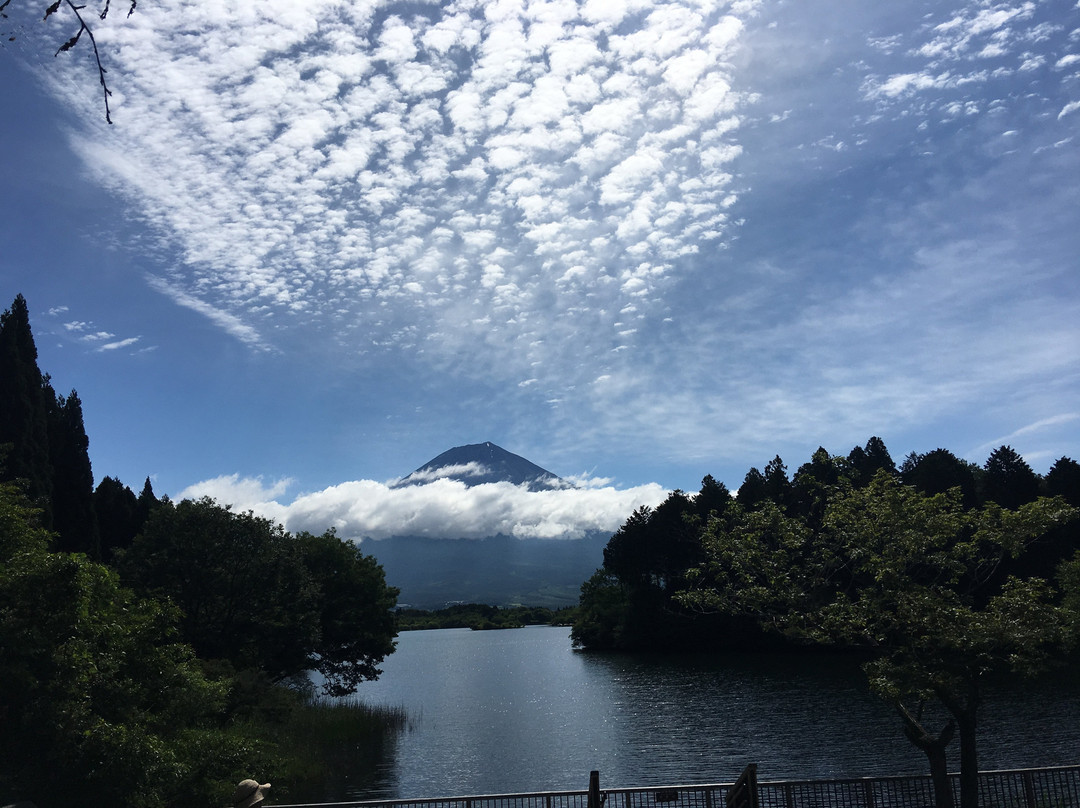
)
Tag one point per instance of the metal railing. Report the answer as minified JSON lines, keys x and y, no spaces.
{"x":1053,"y":787}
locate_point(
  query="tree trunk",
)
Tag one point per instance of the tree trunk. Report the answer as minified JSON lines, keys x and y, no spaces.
{"x":969,"y":760}
{"x":934,"y":747}
{"x":964,"y":709}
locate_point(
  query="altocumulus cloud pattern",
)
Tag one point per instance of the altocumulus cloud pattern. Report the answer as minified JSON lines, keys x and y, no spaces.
{"x":431,"y":175}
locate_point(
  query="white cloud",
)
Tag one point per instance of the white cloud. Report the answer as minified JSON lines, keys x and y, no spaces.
{"x":441,"y":508}
{"x":473,"y":469}
{"x":101,"y":340}
{"x":1069,"y":108}
{"x":357,"y":168}
{"x":242,"y":493}
{"x":1026,"y":431}
{"x":228,"y":322}
{"x":123,"y":343}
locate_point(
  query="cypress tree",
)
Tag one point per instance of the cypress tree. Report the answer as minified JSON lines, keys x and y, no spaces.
{"x":146,"y":504}
{"x":73,"y":478}
{"x":24,"y":429}
{"x":1063,"y":480}
{"x":1009,"y":480}
{"x":116,"y":509}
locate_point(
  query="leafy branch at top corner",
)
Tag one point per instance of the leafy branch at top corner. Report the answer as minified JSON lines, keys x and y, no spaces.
{"x":83,"y":27}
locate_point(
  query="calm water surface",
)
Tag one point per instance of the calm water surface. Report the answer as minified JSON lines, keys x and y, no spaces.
{"x":520,"y":710}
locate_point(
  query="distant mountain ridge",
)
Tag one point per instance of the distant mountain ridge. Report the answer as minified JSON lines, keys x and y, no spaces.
{"x":480,"y":463}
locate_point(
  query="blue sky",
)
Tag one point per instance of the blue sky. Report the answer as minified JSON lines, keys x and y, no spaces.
{"x":633,"y":242}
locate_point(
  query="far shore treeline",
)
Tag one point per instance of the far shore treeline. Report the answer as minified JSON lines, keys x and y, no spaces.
{"x":155,"y":653}
{"x":480,"y":617}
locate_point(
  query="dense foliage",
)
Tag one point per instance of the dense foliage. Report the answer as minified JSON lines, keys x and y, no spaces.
{"x":939,"y":573}
{"x":101,"y":702}
{"x":260,"y":598}
{"x":156,"y":679}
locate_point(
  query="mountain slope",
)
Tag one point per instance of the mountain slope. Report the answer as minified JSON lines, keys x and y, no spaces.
{"x":495,"y":570}
{"x":498,"y":571}
{"x":479,"y":463}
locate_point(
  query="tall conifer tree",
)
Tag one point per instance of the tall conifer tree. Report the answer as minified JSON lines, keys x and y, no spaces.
{"x":23,"y":408}
{"x":72,"y":477}
{"x":44,"y":438}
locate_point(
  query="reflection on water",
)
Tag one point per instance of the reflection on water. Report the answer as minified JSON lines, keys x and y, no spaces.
{"x":519,"y":710}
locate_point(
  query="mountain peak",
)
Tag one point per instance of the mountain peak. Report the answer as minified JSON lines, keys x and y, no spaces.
{"x":479,"y":463}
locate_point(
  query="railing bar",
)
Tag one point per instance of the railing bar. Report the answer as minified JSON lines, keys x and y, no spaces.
{"x":1007,"y":788}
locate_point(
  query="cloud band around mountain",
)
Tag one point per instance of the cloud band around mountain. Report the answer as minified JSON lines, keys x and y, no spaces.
{"x":366,"y":509}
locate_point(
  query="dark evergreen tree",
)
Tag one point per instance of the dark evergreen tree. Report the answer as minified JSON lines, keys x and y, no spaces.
{"x":24,"y":427}
{"x":627,"y":554}
{"x":777,"y":485}
{"x":813,"y":483}
{"x":1009,"y":480}
{"x":674,"y":534}
{"x":117,"y":512}
{"x":937,"y":471}
{"x":1063,"y":480}
{"x":863,"y":463}
{"x":713,"y":498}
{"x":147,"y":503}
{"x":753,"y":489}
{"x":72,"y":476}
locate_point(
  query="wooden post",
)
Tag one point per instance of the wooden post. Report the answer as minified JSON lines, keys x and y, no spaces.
{"x":595,"y":800}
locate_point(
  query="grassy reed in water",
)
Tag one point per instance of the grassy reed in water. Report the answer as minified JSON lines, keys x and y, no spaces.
{"x":334,"y":747}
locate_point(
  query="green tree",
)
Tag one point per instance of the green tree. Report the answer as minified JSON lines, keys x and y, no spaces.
{"x":628,"y":554}
{"x":604,"y":607}
{"x":101,"y":705}
{"x":238,"y":580}
{"x":263,"y":600}
{"x":147,"y":503}
{"x":46,"y":447}
{"x":813,"y":483}
{"x":929,"y":604}
{"x":714,"y":498}
{"x":777,"y":485}
{"x":355,"y":611}
{"x":1063,"y":480}
{"x":937,"y":471}
{"x":674,"y":535}
{"x":912,"y":580}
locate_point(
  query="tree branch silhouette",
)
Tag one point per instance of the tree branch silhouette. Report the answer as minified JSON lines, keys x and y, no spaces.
{"x":74,"y":40}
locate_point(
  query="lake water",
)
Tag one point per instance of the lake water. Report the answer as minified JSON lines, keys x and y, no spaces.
{"x":520,"y":710}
